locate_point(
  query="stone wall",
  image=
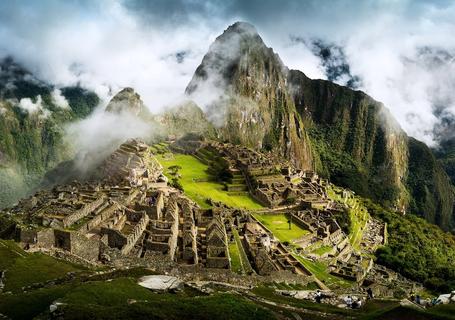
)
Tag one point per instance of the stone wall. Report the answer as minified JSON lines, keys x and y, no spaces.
{"x":132,"y":238}
{"x":26,"y":235}
{"x":83,"y":212}
{"x":86,"y":248}
{"x":46,"y":238}
{"x":218,"y":262}
{"x":159,"y":205}
{"x":104,"y":215}
{"x":114,"y":238}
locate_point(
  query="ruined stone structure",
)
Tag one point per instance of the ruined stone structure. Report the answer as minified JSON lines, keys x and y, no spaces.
{"x":269,"y":180}
{"x":268,"y":254}
{"x":128,"y":212}
{"x":302,"y":195}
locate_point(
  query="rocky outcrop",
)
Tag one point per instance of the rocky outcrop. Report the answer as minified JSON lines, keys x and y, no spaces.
{"x":126,"y":100}
{"x":352,"y":124}
{"x":431,"y":189}
{"x":361,"y":146}
{"x":185,"y":118}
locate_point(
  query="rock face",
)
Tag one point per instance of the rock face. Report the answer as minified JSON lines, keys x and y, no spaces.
{"x":354,"y":126}
{"x":362,"y":147}
{"x":432,"y":194}
{"x":251,"y":105}
{"x":347,"y":136}
{"x":127,"y":100}
{"x":185,"y":118}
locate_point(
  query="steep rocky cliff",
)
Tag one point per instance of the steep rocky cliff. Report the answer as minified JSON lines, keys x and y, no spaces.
{"x":128,"y":100}
{"x":431,"y":189}
{"x":362,"y":147}
{"x":251,"y":105}
{"x":359,"y":143}
{"x":186,"y":117}
{"x":32,"y":116}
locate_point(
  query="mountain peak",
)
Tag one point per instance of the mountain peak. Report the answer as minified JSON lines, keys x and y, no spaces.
{"x":126,"y":100}
{"x":242,"y":27}
{"x":237,"y":47}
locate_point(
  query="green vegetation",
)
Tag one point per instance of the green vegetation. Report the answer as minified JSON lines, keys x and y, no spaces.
{"x":322,"y":250}
{"x":30,"y":304}
{"x":278,"y":224}
{"x":339,"y":164}
{"x":160,"y":148}
{"x":417,"y":249}
{"x":24,"y":269}
{"x":358,"y":216}
{"x":199,"y":185}
{"x":270,"y":294}
{"x":122,"y":298}
{"x":168,"y":306}
{"x":32,"y":144}
{"x":81,"y":101}
{"x":319,"y":270}
{"x":430,"y":187}
{"x":236,"y":264}
{"x":243,"y":257}
{"x":373,"y":309}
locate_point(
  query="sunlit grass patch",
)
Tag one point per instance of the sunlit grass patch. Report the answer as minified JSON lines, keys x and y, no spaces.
{"x":199,"y":185}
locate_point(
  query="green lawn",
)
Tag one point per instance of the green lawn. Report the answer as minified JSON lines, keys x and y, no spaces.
{"x":236,"y":264}
{"x":242,"y":254}
{"x":197,"y":185}
{"x":322,"y":249}
{"x":122,"y":298}
{"x":278,"y":224}
{"x":23,"y":269}
{"x":319,"y":270}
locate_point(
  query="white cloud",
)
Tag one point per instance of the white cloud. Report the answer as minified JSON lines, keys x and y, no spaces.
{"x":98,"y":135}
{"x":105,"y":50}
{"x":29,"y":106}
{"x":59,"y":99}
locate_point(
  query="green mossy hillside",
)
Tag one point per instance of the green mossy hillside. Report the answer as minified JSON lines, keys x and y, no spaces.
{"x":32,"y":143}
{"x":417,"y":249}
{"x":360,"y":146}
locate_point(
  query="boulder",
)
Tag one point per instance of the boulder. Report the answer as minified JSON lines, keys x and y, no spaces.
{"x":161,"y":283}
{"x":445,"y":298}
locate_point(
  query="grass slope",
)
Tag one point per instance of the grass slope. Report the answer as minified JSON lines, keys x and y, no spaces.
{"x":278,"y":224}
{"x":198,"y":185}
{"x":23,"y":269}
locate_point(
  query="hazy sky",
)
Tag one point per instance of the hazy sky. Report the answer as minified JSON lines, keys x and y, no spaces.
{"x":400,"y":52}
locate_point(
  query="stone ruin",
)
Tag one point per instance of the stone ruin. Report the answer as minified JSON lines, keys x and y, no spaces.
{"x":269,"y":180}
{"x":267,"y":254}
{"x":128,"y":212}
{"x":302,"y":195}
